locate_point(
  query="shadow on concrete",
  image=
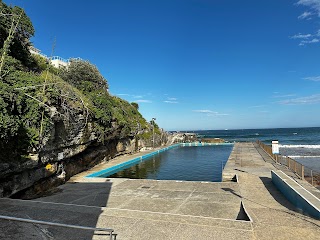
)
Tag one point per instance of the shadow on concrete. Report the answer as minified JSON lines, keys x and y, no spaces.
{"x":76,"y":204}
{"x":276,"y":194}
{"x":231,"y":191}
{"x":242,"y":215}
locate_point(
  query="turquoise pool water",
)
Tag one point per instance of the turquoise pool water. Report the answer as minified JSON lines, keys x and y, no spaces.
{"x":189,"y":163}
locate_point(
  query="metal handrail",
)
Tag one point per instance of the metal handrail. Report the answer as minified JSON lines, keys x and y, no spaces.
{"x":59,"y":224}
{"x":277,"y":158}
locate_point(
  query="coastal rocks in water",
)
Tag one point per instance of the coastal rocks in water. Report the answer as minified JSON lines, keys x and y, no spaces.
{"x":182,"y":137}
{"x":213,"y":140}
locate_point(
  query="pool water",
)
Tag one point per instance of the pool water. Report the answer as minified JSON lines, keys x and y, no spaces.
{"x":181,"y":163}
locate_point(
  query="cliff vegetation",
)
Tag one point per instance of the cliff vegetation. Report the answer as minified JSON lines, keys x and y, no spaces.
{"x":49,"y":114}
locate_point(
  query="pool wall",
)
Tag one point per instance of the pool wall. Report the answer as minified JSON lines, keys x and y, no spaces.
{"x":124,"y":165}
{"x":197,"y":144}
{"x":296,"y":194}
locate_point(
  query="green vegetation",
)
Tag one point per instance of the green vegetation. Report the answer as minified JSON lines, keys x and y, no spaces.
{"x":32,"y":92}
{"x":106,"y":109}
{"x":16,"y":29}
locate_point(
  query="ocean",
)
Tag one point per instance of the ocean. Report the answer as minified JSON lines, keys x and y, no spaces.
{"x":301,"y":144}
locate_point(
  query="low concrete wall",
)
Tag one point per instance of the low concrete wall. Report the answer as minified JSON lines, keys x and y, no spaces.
{"x":200,"y":144}
{"x":296,"y":194}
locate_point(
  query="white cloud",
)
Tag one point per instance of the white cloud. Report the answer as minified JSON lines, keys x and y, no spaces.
{"x":313,"y":99}
{"x":284,"y":96}
{"x":222,"y":114}
{"x":313,"y":4}
{"x":204,"y":111}
{"x":123,"y":94}
{"x":137,"y":96}
{"x":143,"y":101}
{"x":305,"y":15}
{"x":258,"y":106}
{"x":172,"y":102}
{"x":315,"y":79}
{"x":313,"y":9}
{"x":307,"y":38}
{"x":129,"y":95}
{"x":315,"y":40}
{"x":172,"y":99}
{"x":301,"y":36}
{"x":211,"y":113}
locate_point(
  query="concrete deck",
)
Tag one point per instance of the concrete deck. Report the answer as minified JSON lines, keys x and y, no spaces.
{"x":150,"y":209}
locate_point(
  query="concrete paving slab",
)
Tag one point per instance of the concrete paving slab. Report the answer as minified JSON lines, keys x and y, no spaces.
{"x":156,"y":205}
{"x":146,"y":230}
{"x":284,"y":233}
{"x":206,"y":209}
{"x":215,"y":197}
{"x":10,"y":230}
{"x":177,"y":218}
{"x":211,"y":233}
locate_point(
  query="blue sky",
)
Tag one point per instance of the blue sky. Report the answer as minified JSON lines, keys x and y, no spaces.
{"x":195,"y":64}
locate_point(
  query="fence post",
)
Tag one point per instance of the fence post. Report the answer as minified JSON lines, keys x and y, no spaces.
{"x":311,"y":178}
{"x":295,"y":166}
{"x":302,"y":172}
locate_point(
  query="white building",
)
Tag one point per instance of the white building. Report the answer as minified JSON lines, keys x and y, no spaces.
{"x":59,"y":62}
{"x":36,"y":51}
{"x":56,"y":61}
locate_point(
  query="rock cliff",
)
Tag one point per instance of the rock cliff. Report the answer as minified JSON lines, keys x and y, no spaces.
{"x":72,"y":148}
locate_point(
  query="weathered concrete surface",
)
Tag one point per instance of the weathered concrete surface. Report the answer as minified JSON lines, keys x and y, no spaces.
{"x":274,"y":217}
{"x":150,"y":209}
{"x":139,"y":209}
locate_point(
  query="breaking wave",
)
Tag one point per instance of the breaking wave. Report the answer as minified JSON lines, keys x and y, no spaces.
{"x":300,"y":146}
{"x":304,"y":157}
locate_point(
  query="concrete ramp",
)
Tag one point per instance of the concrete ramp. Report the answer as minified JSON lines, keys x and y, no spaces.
{"x":296,"y":194}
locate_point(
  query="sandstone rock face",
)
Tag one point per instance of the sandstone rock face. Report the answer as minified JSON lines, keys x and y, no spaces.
{"x":70,"y":147}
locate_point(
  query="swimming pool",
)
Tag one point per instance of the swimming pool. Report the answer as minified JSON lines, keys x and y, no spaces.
{"x":179,"y":162}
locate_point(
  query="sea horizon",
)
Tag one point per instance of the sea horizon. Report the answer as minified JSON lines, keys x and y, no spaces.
{"x":239,"y":129}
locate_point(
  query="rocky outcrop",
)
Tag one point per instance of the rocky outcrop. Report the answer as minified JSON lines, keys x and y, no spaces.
{"x":70,"y":147}
{"x":34,"y":182}
{"x":182,"y":137}
{"x":213,"y":140}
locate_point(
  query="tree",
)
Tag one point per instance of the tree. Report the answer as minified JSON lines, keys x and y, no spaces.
{"x":16,"y":29}
{"x":136,"y":105}
{"x":84,"y":76}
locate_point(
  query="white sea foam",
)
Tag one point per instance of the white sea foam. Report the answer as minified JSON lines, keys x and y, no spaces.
{"x":304,"y":156}
{"x":299,"y":146}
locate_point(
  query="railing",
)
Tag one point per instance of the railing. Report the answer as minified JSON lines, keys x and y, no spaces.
{"x":299,"y":169}
{"x":110,"y":231}
{"x":59,"y":58}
